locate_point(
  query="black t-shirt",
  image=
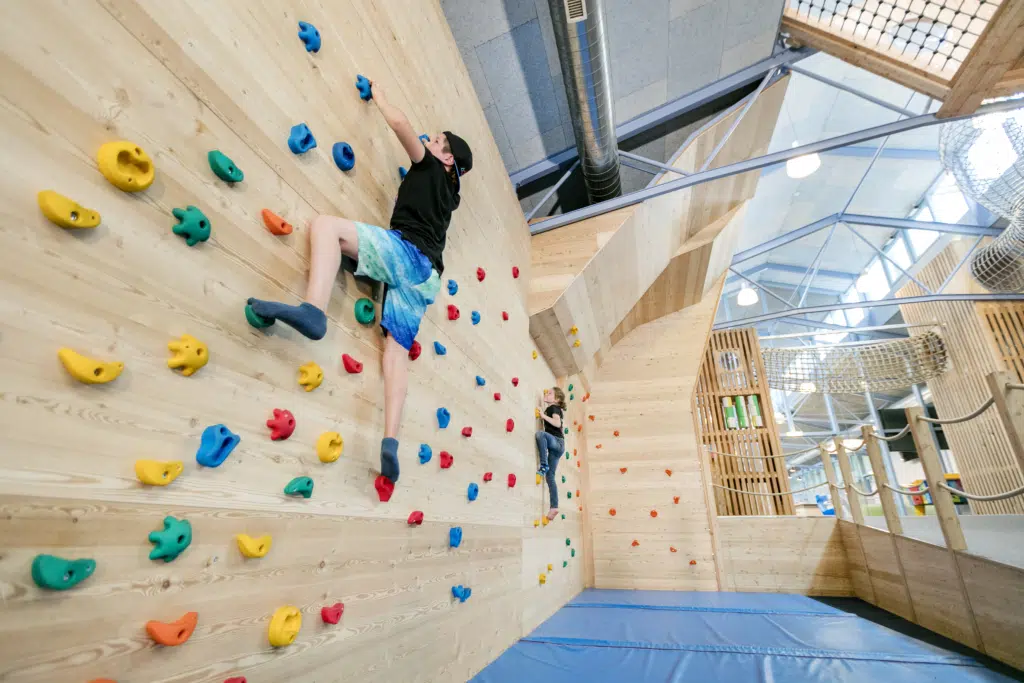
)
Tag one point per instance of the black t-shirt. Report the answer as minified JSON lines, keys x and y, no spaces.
{"x":426,"y":199}
{"x":551,"y":411}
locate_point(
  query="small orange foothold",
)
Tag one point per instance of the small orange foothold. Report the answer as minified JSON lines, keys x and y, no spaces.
{"x":673,"y":550}
{"x":598,"y":446}
{"x":693,"y":563}
{"x":174,"y":632}
{"x":623,"y":469}
{"x":635,"y":543}
{"x":102,"y":680}
{"x":574,"y":452}
{"x":668,"y":472}
{"x":675,"y":499}
{"x":275,"y":224}
{"x":611,"y":512}
{"x":580,"y":428}
{"x":616,"y":432}
{"x":577,"y":463}
{"x":590,"y":417}
{"x":577,"y":493}
{"x":654,"y":513}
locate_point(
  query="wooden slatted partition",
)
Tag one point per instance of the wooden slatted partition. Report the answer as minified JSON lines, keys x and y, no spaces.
{"x":1005,"y":322}
{"x":733,"y":366}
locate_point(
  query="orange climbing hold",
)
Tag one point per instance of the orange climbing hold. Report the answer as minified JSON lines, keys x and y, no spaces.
{"x":668,"y":472}
{"x":275,"y":224}
{"x":611,"y":511}
{"x":174,"y":632}
{"x":580,"y":428}
{"x":635,"y":543}
{"x":675,"y":499}
{"x":673,"y":550}
{"x":616,"y":432}
{"x":574,"y":452}
{"x":623,"y":469}
{"x":577,"y":493}
{"x":590,"y":417}
{"x":693,"y":563}
{"x":598,"y":446}
{"x":654,"y":513}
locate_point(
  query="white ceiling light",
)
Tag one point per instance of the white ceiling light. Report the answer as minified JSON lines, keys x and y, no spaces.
{"x":746,"y":297}
{"x":803,"y":166}
{"x":808,"y":387}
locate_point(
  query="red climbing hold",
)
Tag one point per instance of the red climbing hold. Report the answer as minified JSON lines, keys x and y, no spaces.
{"x":488,"y":476}
{"x":598,"y":446}
{"x":415,"y":350}
{"x":577,"y":493}
{"x":281,"y":425}
{"x":453,"y":312}
{"x":611,"y":512}
{"x":416,"y":517}
{"x":446,"y":460}
{"x":693,"y":563}
{"x":675,"y":499}
{"x":385,"y":487}
{"x":580,"y":428}
{"x":577,"y":463}
{"x":510,"y":425}
{"x":672,"y":549}
{"x":511,"y":481}
{"x":467,"y":431}
{"x":504,"y":315}
{"x":353,"y":366}
{"x":480,"y":274}
{"x":497,"y":396}
{"x":236,"y":679}
{"x":515,"y":381}
{"x":332,"y":613}
{"x":668,"y":472}
{"x":515,"y":271}
{"x":623,"y":469}
{"x":616,"y":432}
{"x":635,"y":543}
{"x":591,"y":417}
{"x":654,"y":513}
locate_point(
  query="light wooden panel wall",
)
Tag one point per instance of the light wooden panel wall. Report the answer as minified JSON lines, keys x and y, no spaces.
{"x":981,"y":446}
{"x":970,"y":599}
{"x":181,"y":79}
{"x":643,"y":390}
{"x":801,"y":555}
{"x":591,"y":274}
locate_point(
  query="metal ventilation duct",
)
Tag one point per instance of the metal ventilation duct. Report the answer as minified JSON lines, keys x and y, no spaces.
{"x":583,"y":55}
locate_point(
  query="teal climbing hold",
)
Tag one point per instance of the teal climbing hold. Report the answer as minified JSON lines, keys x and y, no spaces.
{"x":58,"y":574}
{"x":566,"y":430}
{"x":256,"y":320}
{"x":563,"y":515}
{"x":223,"y":167}
{"x":570,"y":387}
{"x":566,"y":456}
{"x":565,"y":563}
{"x":364,"y":311}
{"x":192,"y":225}
{"x":299,"y":486}
{"x":568,"y":494}
{"x":572,"y":397}
{"x":563,"y":478}
{"x":172,"y":541}
{"x":573,"y":554}
{"x":568,"y":542}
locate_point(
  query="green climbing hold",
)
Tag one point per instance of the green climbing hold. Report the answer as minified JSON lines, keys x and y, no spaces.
{"x":568,"y":494}
{"x":256,"y":320}
{"x":565,"y":563}
{"x":566,"y":430}
{"x":364,"y":311}
{"x":299,"y":486}
{"x":563,"y":515}
{"x":568,"y":542}
{"x":566,"y":456}
{"x":172,"y":541}
{"x":563,"y":478}
{"x":58,"y":574}
{"x":570,"y":387}
{"x":572,"y":397}
{"x":573,"y":552}
{"x":224,"y":168}
{"x":192,"y":225}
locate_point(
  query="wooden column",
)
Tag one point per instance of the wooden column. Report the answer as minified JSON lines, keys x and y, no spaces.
{"x":1009,"y":404}
{"x":945,"y":510}
{"x":889,"y":507}
{"x":852,"y":497}
{"x":709,"y":500}
{"x":830,"y":475}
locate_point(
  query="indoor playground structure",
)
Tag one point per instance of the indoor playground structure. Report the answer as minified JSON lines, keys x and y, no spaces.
{"x":192,"y":492}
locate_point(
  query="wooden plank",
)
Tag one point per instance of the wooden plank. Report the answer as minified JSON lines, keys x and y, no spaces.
{"x":996,"y":593}
{"x":852,"y":497}
{"x":933,"y":582}
{"x":999,"y":47}
{"x":1009,"y":405}
{"x":881,"y":477}
{"x":856,"y":563}
{"x":941,"y":498}
{"x":886,"y":572}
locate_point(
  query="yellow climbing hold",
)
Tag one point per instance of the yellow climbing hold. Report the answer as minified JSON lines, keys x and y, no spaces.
{"x":536,"y":522}
{"x":536,"y":412}
{"x":573,"y":329}
{"x":310,"y":376}
{"x":576,"y":343}
{"x":550,"y":567}
{"x":535,"y":354}
{"x":253,"y":547}
{"x":66,"y":213}
{"x":190,"y":354}
{"x":284,"y":626}
{"x":543,"y":579}
{"x":89,"y":370}
{"x":544,"y":521}
{"x":329,"y":446}
{"x":126,"y":166}
{"x":538,"y":479}
{"x":156,"y":473}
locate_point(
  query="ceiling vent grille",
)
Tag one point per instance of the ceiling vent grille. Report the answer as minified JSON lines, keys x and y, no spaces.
{"x":575,"y":10}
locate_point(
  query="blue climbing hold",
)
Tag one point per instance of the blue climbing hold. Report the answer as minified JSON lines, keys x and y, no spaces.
{"x":443,"y":418}
{"x":453,"y":287}
{"x":402,"y":172}
{"x":475,"y":317}
{"x":473,"y":492}
{"x":455,"y":536}
{"x":216,"y":445}
{"x":425,"y":138}
{"x":363,"y":85}
{"x":461,"y":592}
{"x":425,"y":454}
{"x":439,"y":349}
{"x":301,"y":139}
{"x":344,"y":157}
{"x":309,"y":36}
{"x":480,"y":381}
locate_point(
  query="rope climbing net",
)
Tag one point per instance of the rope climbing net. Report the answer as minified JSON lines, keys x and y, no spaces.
{"x":853,"y":368}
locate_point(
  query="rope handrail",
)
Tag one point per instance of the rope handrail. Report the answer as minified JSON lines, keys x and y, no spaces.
{"x":752,"y":457}
{"x":1011,"y":385}
{"x":848,"y":449}
{"x":975,"y":496}
{"x":963,"y":418}
{"x":906,"y":492}
{"x":866,"y":494}
{"x":898,"y":435}
{"x":755,"y":493}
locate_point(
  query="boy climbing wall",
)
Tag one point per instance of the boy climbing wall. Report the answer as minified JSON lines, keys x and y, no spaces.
{"x":406,"y":258}
{"x":550,"y":443}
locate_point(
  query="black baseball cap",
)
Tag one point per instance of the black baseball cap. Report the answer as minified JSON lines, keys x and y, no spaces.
{"x":462,"y":153}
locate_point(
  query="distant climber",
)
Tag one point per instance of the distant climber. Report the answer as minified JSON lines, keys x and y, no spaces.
{"x":549,"y":441}
{"x":407,"y":258}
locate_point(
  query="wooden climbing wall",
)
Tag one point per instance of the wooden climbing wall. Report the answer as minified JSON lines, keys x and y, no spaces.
{"x":732,"y":366}
{"x":180,"y":79}
{"x":643,"y":390}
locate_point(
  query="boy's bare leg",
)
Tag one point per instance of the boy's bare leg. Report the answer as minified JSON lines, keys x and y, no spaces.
{"x":396,"y":384}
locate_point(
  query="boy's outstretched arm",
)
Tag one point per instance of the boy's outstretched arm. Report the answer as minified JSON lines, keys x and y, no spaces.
{"x":399,"y":123}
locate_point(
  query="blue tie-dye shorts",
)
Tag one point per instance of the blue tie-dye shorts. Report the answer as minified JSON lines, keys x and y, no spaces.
{"x":411,"y":279}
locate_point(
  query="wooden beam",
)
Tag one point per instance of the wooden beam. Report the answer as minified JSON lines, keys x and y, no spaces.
{"x":943,"y":502}
{"x":852,"y":497}
{"x":997,"y":51}
{"x":865,"y":57}
{"x":1009,"y":404}
{"x":830,"y":476}
{"x":889,"y":509}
